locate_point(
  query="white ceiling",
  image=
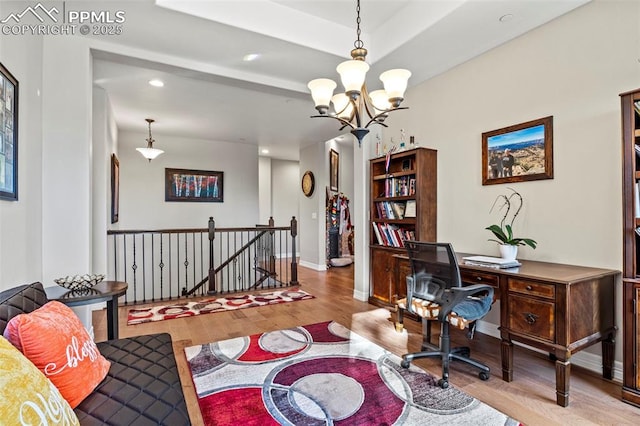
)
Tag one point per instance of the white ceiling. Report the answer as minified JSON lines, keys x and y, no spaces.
{"x":196,"y":48}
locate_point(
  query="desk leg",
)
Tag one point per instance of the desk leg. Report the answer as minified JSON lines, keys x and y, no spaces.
{"x":506,"y":349}
{"x":608,"y":353}
{"x":112,"y":318}
{"x":563,"y":371}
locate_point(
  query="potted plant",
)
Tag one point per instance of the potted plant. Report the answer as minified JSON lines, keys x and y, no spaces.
{"x":504,"y":232}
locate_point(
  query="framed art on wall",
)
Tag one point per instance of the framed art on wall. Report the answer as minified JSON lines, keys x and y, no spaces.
{"x":8,"y":135}
{"x":193,"y":185}
{"x":518,"y":153}
{"x":115,"y":188}
{"x":334,"y":163}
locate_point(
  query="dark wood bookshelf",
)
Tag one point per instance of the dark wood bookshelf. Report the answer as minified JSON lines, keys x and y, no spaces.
{"x":417,"y":165}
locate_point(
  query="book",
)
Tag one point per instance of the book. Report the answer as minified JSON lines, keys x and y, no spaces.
{"x":410,"y":209}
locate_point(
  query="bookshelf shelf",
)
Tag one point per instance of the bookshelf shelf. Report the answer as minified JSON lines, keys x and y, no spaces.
{"x":403,"y":206}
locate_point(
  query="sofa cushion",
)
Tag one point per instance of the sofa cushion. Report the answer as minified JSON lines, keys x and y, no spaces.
{"x":20,"y":300}
{"x":142,"y":386}
{"x":54,"y":339}
{"x":26,"y":395}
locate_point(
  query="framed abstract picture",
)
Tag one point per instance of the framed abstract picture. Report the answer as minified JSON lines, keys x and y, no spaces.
{"x":8,"y":135}
{"x":193,"y":185}
{"x":518,"y":153}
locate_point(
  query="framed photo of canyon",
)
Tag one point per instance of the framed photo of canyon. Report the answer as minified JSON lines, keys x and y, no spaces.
{"x":193,"y":185}
{"x":518,"y":153}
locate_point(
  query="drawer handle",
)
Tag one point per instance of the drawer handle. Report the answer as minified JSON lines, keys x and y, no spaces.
{"x":529,"y":288}
{"x":530,"y":318}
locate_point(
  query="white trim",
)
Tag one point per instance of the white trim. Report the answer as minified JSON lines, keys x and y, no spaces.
{"x":313,"y":266}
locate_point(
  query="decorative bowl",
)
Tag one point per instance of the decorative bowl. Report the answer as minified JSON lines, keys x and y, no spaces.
{"x":79,"y":282}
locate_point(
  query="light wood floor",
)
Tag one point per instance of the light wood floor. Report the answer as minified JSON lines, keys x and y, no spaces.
{"x":529,"y":398}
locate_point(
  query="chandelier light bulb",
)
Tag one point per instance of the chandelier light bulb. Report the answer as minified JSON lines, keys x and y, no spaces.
{"x":352,"y":74}
{"x":321,"y":92}
{"x":395,"y":84}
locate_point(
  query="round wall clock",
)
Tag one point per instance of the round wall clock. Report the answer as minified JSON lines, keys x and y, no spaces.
{"x":308,"y":183}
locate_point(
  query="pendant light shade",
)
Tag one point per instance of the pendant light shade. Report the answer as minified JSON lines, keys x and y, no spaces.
{"x":149,"y":152}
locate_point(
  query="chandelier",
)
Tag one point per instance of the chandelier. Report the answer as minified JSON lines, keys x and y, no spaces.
{"x":351,"y":106}
{"x":149,"y":152}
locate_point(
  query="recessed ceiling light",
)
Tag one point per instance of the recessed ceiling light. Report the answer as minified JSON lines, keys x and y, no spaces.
{"x":265,"y":151}
{"x":251,"y":57}
{"x":156,"y":83}
{"x":506,"y":17}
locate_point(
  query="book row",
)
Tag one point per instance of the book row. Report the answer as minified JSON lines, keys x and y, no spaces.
{"x":400,"y":186}
{"x":392,"y":235}
{"x":396,"y":209}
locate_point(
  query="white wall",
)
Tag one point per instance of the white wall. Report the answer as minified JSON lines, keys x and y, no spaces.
{"x":312,"y":209}
{"x":142,"y":190}
{"x":572,"y":68}
{"x":286,"y":191}
{"x":264,"y":188}
{"x":21,"y":221}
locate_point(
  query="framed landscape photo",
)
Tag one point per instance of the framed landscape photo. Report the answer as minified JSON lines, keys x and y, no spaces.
{"x":193,"y":185}
{"x":8,"y":135}
{"x":334,"y":164}
{"x":518,"y":153}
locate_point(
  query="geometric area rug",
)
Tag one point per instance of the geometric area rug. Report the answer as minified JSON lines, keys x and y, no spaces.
{"x":220,"y":304}
{"x":322,"y":374}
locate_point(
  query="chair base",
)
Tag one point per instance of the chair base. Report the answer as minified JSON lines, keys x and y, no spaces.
{"x":456,"y":354}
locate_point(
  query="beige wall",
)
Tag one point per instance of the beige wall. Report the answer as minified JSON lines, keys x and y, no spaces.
{"x":573,"y":69}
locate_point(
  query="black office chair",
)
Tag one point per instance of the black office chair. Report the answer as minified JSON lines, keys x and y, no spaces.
{"x":435,"y":292}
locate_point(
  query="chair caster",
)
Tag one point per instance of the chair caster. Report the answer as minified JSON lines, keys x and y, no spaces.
{"x":483,"y":376}
{"x":404,"y":364}
{"x":466,"y":352}
{"x":443,"y":383}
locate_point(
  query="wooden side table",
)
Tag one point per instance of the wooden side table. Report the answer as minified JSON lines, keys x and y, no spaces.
{"x":105,"y":291}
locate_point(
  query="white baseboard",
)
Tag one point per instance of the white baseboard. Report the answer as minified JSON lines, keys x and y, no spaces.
{"x":360,"y":295}
{"x":586,"y":360}
{"x":313,"y":266}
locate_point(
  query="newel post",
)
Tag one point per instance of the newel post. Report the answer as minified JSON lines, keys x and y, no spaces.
{"x":212,"y":274}
{"x":272,"y":258}
{"x":294,"y":262}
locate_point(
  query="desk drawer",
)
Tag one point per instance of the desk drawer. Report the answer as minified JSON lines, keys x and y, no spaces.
{"x":532,"y":316}
{"x":473,"y":277}
{"x":532,"y":288}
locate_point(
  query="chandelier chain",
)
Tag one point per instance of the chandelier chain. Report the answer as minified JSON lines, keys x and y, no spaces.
{"x":358,"y":43}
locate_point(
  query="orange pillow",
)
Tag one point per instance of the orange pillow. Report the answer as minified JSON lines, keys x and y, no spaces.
{"x":54,"y":339}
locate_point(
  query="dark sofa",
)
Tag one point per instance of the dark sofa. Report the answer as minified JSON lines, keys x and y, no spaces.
{"x":142,"y":386}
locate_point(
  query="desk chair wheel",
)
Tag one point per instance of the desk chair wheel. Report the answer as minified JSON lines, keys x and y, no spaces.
{"x":443,"y":383}
{"x":465,"y":352}
{"x":404,"y":364}
{"x":483,"y":376}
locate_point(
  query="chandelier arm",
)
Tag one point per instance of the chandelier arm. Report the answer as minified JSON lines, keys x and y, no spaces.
{"x":383,"y":113}
{"x":343,"y":121}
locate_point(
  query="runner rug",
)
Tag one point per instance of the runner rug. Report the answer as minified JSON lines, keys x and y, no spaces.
{"x":322,"y":374}
{"x":207,"y":306}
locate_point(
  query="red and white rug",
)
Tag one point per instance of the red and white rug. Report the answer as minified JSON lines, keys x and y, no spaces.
{"x":208,"y":306}
{"x":323,"y":374}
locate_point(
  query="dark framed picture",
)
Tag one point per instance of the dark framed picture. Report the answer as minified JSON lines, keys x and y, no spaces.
{"x":518,"y":153}
{"x":115,"y":188}
{"x":334,"y":164}
{"x":193,"y":185}
{"x":8,"y":135}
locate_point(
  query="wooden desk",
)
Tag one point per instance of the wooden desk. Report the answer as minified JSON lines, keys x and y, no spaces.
{"x":105,"y":291}
{"x":560,"y":309}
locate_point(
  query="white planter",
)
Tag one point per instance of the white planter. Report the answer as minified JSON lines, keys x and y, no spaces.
{"x":508,"y":252}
